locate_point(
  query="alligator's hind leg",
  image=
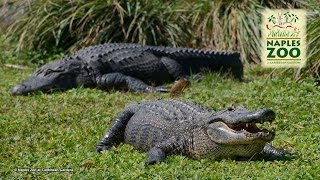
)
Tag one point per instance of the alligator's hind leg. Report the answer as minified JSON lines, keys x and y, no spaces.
{"x":130,"y":83}
{"x":115,"y":134}
{"x":174,"y":68}
{"x":178,"y":74}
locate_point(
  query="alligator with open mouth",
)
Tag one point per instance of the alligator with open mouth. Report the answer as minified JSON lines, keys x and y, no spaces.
{"x":164,"y":127}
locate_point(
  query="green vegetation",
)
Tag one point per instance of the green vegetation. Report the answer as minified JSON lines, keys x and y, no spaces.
{"x":74,"y":24}
{"x":60,"y":130}
{"x":228,"y":25}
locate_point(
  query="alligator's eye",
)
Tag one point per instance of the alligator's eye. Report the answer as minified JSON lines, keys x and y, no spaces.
{"x":231,"y":109}
{"x":51,"y":71}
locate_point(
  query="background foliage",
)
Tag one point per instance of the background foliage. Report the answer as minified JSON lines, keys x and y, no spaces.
{"x":229,"y":25}
{"x":72,"y":24}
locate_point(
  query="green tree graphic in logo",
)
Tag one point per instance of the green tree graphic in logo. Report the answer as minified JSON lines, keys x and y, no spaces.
{"x":290,"y":17}
{"x":287,"y":16}
{"x":295,"y":17}
{"x":272,"y":19}
{"x":281,"y":26}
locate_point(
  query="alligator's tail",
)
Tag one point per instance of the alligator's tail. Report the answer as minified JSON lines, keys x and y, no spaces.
{"x":193,"y":60}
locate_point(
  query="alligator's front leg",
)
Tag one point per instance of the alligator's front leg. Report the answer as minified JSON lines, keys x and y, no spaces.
{"x":115,"y":133}
{"x":127,"y":82}
{"x":159,"y":152}
{"x":272,"y":152}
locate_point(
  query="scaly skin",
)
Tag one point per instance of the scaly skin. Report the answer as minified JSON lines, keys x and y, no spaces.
{"x":164,"y":127}
{"x":131,"y":67}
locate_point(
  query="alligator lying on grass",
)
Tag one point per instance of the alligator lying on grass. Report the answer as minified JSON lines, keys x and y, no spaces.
{"x":128,"y":66}
{"x":165,"y":127}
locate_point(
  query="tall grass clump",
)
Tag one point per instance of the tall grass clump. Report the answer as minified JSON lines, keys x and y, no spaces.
{"x":9,"y":11}
{"x":48,"y":25}
{"x":313,"y":37}
{"x":235,"y":25}
{"x":71,"y":24}
{"x":229,"y":25}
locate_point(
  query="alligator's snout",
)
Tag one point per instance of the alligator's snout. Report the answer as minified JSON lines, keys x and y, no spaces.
{"x":243,"y":115}
{"x":263,"y":115}
{"x":34,"y":83}
{"x":19,"y":89}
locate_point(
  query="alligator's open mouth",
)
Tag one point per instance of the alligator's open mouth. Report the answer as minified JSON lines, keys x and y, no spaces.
{"x":251,"y":129}
{"x":239,"y":126}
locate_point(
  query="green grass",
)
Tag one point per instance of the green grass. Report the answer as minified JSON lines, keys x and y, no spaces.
{"x":60,"y":130}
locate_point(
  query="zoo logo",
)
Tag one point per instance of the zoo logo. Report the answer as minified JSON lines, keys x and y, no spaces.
{"x":283,"y":38}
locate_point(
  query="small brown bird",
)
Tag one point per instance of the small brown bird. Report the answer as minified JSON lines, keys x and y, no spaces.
{"x":179,"y":86}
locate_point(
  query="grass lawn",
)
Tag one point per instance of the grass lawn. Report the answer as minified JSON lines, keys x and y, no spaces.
{"x":60,"y":130}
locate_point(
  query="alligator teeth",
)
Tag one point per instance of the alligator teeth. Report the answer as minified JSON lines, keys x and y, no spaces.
{"x":245,"y":131}
{"x":247,"y":125}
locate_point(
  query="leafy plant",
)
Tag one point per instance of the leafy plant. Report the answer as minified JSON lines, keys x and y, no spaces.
{"x":313,"y":38}
{"x":230,"y":25}
{"x":71,"y":24}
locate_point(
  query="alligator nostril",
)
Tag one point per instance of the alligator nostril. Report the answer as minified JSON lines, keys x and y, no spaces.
{"x":268,"y":114}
